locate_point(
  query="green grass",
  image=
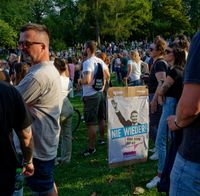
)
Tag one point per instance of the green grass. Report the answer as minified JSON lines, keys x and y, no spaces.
{"x":90,"y":175}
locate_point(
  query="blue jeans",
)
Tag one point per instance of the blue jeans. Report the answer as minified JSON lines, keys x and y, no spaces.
{"x":169,"y":108}
{"x":185,"y":178}
{"x":154,"y":119}
{"x":135,"y":83}
{"x":118,"y":72}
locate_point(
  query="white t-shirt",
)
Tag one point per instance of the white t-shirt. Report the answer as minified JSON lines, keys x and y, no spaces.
{"x":136,"y":70}
{"x":65,"y":86}
{"x":91,"y":66}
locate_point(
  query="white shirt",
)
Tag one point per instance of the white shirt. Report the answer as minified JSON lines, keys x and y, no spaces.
{"x":91,"y":66}
{"x":65,"y":86}
{"x":136,"y":70}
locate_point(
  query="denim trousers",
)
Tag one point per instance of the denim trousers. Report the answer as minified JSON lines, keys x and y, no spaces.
{"x":135,"y":83}
{"x":154,"y":119}
{"x":66,"y":130}
{"x":169,"y":108}
{"x":185,"y":178}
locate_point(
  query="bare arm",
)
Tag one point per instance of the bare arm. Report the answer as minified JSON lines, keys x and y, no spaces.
{"x":160,"y":76}
{"x":106,"y":74}
{"x":129,"y":70}
{"x":145,"y":66}
{"x":87,"y":78}
{"x":26,"y":143}
{"x":188,"y":107}
{"x":168,"y":82}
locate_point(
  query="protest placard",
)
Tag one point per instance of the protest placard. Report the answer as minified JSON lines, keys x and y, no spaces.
{"x":128,"y":125}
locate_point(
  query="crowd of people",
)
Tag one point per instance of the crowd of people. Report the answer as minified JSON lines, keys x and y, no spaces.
{"x":36,"y":83}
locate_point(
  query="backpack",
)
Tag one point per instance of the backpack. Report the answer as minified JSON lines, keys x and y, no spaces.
{"x":98,"y":78}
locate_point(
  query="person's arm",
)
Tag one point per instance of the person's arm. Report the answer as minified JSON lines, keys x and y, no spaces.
{"x":22,"y":127}
{"x":106,"y":74}
{"x":86,"y":79}
{"x":160,"y":76}
{"x":145,"y":67}
{"x":128,"y":73}
{"x":119,"y":115}
{"x":26,"y":143}
{"x":168,"y":82}
{"x":188,"y":107}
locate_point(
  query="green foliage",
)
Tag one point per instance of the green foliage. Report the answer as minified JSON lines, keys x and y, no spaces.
{"x":193,"y":11}
{"x":73,"y":21}
{"x":169,"y":17}
{"x":8,"y":35}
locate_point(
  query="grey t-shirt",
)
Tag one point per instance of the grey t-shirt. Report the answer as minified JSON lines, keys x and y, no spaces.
{"x":41,"y":90}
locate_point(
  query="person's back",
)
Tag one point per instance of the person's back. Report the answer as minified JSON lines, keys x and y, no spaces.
{"x":7,"y":122}
{"x":43,"y":100}
{"x":91,"y":64}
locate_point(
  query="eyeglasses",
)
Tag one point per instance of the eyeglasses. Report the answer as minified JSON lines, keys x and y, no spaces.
{"x":27,"y":44}
{"x":168,"y":51}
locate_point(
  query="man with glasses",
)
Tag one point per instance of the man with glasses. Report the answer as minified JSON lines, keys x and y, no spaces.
{"x":41,"y":89}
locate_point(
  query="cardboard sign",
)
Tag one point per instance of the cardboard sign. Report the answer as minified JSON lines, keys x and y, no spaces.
{"x":128,"y":125}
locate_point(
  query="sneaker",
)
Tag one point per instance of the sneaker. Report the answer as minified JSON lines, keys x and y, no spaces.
{"x":89,"y":152}
{"x":153,"y":183}
{"x":101,"y":142}
{"x":152,"y":149}
{"x":154,"y":156}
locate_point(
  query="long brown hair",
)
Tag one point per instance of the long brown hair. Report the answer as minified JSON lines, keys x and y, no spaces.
{"x":62,"y":66}
{"x":179,"y":54}
{"x":21,"y":70}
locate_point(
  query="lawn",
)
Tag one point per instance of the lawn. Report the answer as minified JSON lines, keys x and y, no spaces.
{"x":92,"y":175}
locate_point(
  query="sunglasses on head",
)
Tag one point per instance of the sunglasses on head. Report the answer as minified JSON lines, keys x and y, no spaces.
{"x":27,"y":43}
{"x":168,"y":51}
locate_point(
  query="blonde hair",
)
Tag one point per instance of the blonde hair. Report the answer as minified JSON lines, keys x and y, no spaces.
{"x":134,"y":55}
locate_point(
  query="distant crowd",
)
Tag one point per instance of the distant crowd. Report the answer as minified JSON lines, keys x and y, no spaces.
{"x":36,"y":113}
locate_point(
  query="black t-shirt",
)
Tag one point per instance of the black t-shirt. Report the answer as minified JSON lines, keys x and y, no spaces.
{"x":176,"y":89}
{"x":13,"y":115}
{"x":190,"y":145}
{"x":159,"y":66}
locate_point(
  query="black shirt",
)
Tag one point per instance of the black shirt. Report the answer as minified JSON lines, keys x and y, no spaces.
{"x":190,"y":145}
{"x":176,"y":89}
{"x":13,"y":115}
{"x":159,"y":66}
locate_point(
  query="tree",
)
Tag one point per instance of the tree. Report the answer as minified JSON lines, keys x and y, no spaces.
{"x":8,"y":35}
{"x":41,"y":9}
{"x":114,"y":18}
{"x":169,"y":17}
{"x":193,"y":12}
{"x":14,"y":13}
